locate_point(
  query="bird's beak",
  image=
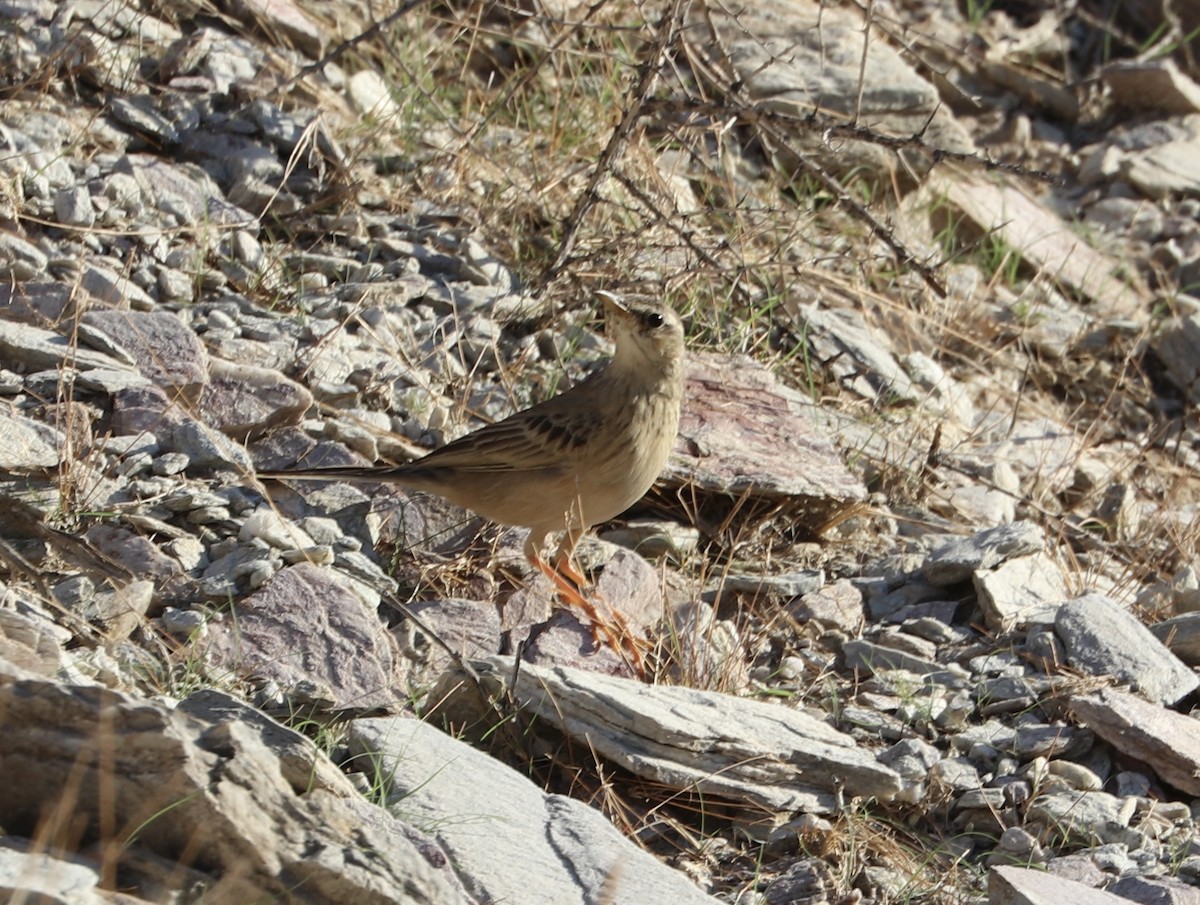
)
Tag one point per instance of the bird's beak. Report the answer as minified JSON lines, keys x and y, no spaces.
{"x":612,"y":302}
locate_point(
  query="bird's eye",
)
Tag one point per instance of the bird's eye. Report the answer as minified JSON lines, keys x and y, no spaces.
{"x":654,"y":320}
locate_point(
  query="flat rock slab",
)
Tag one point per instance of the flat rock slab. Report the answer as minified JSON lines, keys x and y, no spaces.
{"x":26,"y":444}
{"x":1166,"y":740}
{"x":1181,"y":635}
{"x":37,"y":303}
{"x":1103,"y":638}
{"x":195,"y":197}
{"x":1141,"y":85}
{"x":766,"y":755}
{"x":1025,"y":590}
{"x":801,"y":57}
{"x":470,"y":628}
{"x":39,"y":349}
{"x":1156,"y":891}
{"x":166,"y":350}
{"x":508,"y":840}
{"x":1083,"y":816}
{"x":958,"y":559}
{"x":306,"y":626}
{"x":1021,"y":886}
{"x":745,"y":435}
{"x":1040,"y":236}
{"x":874,"y":659}
{"x":207,"y":796}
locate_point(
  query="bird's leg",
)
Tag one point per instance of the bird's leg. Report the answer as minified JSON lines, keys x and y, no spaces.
{"x":565,"y":554}
{"x":565,"y":583}
{"x":569,"y":582}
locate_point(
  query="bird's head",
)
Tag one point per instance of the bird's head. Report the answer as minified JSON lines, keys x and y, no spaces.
{"x":648,"y":335}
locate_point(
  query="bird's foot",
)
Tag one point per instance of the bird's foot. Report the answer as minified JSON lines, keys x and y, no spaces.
{"x":614,"y":631}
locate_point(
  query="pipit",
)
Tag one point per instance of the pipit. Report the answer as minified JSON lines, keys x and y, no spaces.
{"x":570,"y":462}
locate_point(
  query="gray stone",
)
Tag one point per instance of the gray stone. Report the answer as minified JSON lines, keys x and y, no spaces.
{"x":914,"y":760}
{"x":1075,"y":775}
{"x":73,"y":207}
{"x":1080,"y":815}
{"x":227,"y":815}
{"x":27,"y":445}
{"x":1155,"y":891}
{"x":108,"y":287}
{"x":957,"y":560}
{"x":956,"y":773}
{"x":30,"y":644}
{"x":787,"y":586}
{"x":1009,"y":885}
{"x":838,"y":604}
{"x":1167,"y":741}
{"x":727,"y":451}
{"x":119,"y":611}
{"x":1024,"y":591}
{"x":1036,"y":232}
{"x":305,"y":624}
{"x":1176,"y":346}
{"x":138,"y":554}
{"x":166,"y":350}
{"x":38,"y":348}
{"x":193,"y":195}
{"x":184,"y":623}
{"x":512,"y":841}
{"x":20,"y":260}
{"x":876,"y":658}
{"x":1102,"y":638}
{"x":1140,"y":218}
{"x":28,"y":874}
{"x":737,"y":749}
{"x":206,"y":448}
{"x":1181,"y":635}
{"x":468,"y":628}
{"x":75,"y":592}
{"x":370,"y":95}
{"x":1167,"y":168}
{"x":37,"y":303}
{"x":797,"y":60}
{"x":860,"y":355}
{"x":653,"y":538}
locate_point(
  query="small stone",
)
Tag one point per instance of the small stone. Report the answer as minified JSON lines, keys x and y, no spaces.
{"x":75,"y":593}
{"x":837,"y":605}
{"x":958,"y":560}
{"x":786,"y":586}
{"x":266,"y":524}
{"x":1076,"y":775}
{"x":319,"y":554}
{"x":183,"y":623}
{"x":73,"y":207}
{"x":1022,"y":591}
{"x":956,"y":773}
{"x":1018,"y":841}
{"x":170,"y":464}
{"x":1132,"y":785}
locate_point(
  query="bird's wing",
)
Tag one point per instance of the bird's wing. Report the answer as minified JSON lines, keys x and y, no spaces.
{"x":542,"y":437}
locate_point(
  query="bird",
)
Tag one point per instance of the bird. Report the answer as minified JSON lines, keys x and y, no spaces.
{"x":572,"y":461}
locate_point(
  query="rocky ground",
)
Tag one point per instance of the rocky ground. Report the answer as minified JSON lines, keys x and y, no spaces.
{"x":913,"y":615}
